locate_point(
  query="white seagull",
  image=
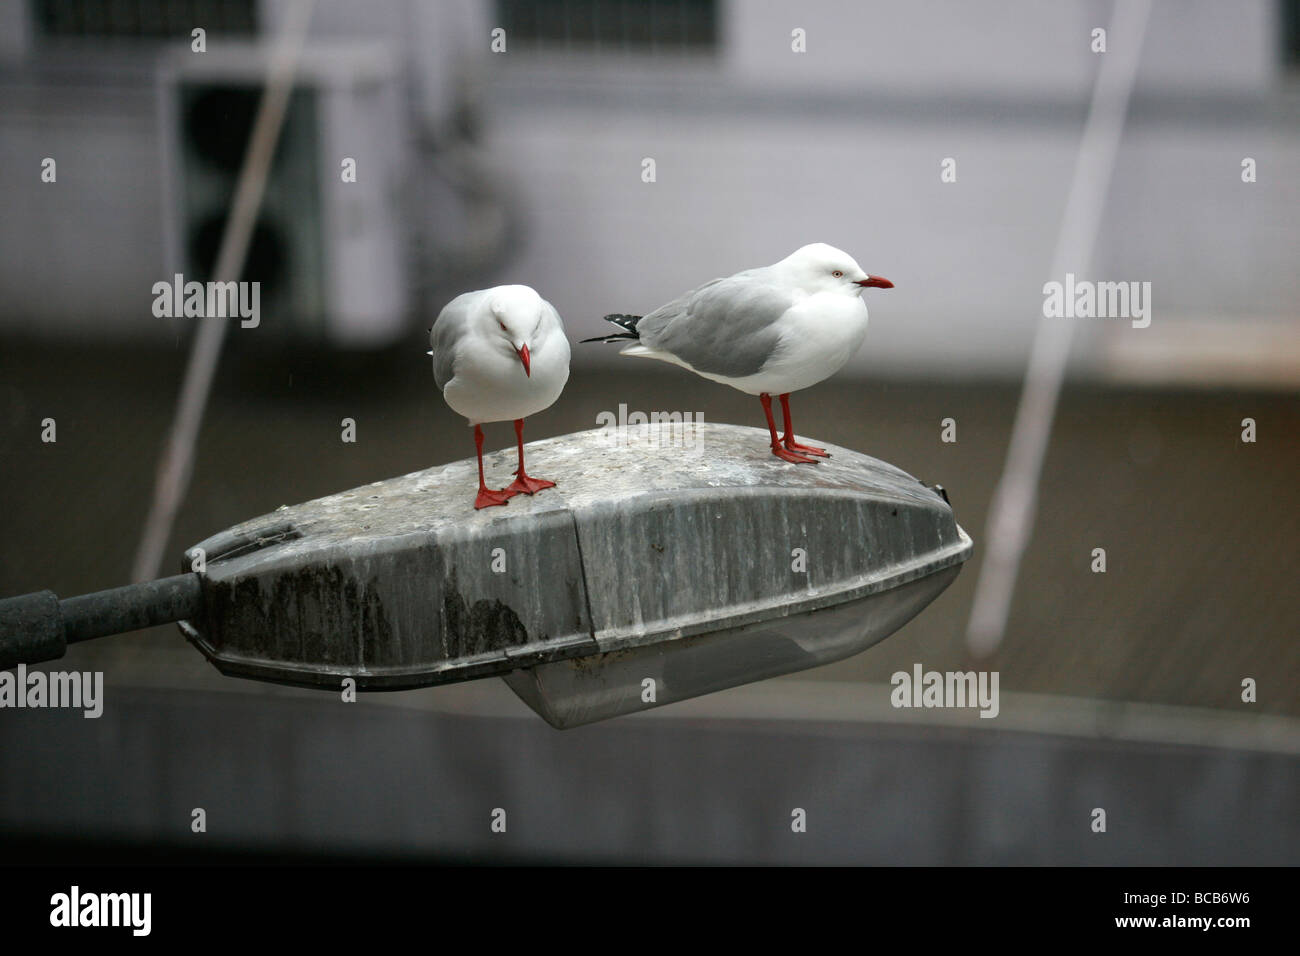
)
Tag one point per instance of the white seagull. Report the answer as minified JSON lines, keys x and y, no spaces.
{"x":500,"y":354}
{"x":767,"y":331}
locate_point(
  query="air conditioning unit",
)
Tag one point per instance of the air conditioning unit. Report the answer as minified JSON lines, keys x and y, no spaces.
{"x":329,"y":247}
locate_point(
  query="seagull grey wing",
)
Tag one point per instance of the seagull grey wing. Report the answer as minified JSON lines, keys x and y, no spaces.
{"x":725,"y":327}
{"x":448,"y":329}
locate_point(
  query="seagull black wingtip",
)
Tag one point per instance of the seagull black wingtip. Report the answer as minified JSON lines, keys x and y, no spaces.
{"x":625,"y":322}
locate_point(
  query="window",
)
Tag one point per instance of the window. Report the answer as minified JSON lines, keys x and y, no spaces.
{"x":149,"y":19}
{"x":642,"y":25}
{"x":1291,"y":34}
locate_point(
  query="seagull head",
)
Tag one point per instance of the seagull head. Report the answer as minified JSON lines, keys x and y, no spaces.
{"x":514,"y":313}
{"x":821,"y":268}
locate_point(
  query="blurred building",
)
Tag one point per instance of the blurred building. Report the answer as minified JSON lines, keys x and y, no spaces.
{"x":530,"y":164}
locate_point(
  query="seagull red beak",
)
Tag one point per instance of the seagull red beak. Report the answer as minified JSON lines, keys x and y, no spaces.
{"x":523,"y":357}
{"x":875,"y":282}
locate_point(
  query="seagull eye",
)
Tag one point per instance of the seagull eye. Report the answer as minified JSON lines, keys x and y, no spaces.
{"x":838,"y":274}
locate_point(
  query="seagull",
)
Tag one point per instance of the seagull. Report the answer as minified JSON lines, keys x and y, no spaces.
{"x":766,"y":331}
{"x":500,"y":354}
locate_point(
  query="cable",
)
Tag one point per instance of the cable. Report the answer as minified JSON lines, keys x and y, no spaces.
{"x":177,"y":461}
{"x":1015,"y":501}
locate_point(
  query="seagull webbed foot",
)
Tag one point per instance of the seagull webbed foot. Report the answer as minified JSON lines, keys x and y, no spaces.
{"x":529,"y":486}
{"x":487,"y":497}
{"x":786,"y":455}
{"x":801,"y":448}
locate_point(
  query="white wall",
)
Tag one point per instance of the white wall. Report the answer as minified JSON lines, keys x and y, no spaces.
{"x":1008,"y":47}
{"x":765,"y":150}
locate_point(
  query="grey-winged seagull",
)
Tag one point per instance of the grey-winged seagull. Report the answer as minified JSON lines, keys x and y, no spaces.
{"x":500,"y":354}
{"x":767,"y":331}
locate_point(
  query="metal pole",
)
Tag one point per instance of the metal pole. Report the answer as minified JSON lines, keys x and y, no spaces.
{"x":1011,"y":516}
{"x":39,"y":627}
{"x":178,"y":458}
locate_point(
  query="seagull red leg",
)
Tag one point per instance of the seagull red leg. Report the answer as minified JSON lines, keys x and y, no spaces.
{"x":789,"y":441}
{"x":777,"y":449}
{"x":523,"y":484}
{"x":486,"y":496}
